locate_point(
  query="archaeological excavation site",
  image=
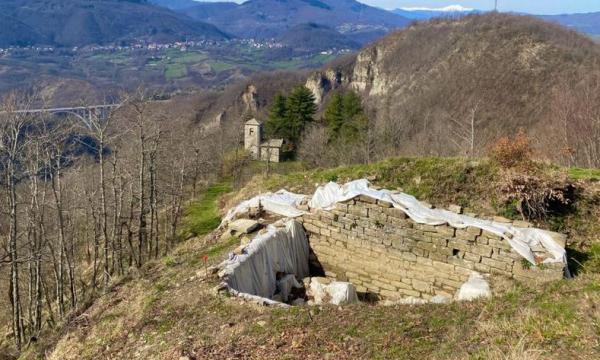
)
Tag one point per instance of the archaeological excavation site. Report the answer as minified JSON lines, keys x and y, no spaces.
{"x":354,"y":243}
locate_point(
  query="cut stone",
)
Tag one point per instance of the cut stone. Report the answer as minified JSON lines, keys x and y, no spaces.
{"x":455,"y":209}
{"x":244,"y":226}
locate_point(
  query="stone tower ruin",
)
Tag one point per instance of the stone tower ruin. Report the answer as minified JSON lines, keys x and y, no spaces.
{"x":253,"y":137}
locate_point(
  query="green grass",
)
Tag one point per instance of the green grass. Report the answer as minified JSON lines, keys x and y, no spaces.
{"x":220,"y":66}
{"x":202,"y":216}
{"x":584,"y":174}
{"x":220,"y":249}
{"x":175,"y":71}
{"x":440,"y":180}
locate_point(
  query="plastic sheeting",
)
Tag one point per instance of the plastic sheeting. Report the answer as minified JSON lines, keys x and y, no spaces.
{"x":278,"y":250}
{"x":520,"y":239}
{"x":336,"y":293}
{"x":286,"y":284}
{"x":282,"y":202}
{"x":476,"y":287}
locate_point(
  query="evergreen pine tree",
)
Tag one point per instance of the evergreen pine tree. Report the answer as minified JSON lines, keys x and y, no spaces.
{"x":354,"y":117}
{"x":277,"y":116}
{"x":345,"y":117}
{"x":301,"y":108}
{"x":334,"y":116}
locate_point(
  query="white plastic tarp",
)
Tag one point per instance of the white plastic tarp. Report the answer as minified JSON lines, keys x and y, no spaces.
{"x":282,"y":202}
{"x":476,"y":287}
{"x":336,"y":293}
{"x":521,"y":239}
{"x":278,"y":250}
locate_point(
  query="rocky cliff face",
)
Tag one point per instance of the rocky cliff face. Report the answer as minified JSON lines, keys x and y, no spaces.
{"x":321,"y":82}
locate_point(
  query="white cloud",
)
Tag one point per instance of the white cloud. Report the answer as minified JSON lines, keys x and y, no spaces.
{"x":450,"y":8}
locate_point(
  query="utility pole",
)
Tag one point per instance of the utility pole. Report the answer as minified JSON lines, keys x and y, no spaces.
{"x":496,"y":5}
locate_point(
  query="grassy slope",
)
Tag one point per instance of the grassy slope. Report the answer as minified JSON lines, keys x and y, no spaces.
{"x":168,"y":309}
{"x":168,"y":312}
{"x":444,"y":181}
{"x":202,"y":216}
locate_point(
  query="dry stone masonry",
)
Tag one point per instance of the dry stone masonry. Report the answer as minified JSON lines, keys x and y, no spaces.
{"x":381,"y":251}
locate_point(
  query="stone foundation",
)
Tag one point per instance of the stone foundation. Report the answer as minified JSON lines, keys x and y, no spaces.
{"x":382,"y":251}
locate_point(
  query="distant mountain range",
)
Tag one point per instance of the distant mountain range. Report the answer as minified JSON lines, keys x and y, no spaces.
{"x":84,"y":22}
{"x":586,"y":23}
{"x":311,"y":24}
{"x":271,"y":18}
{"x":174,"y":4}
{"x":427,"y":13}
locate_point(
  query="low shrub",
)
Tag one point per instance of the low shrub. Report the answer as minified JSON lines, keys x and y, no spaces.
{"x":512,"y":152}
{"x":535,"y":197}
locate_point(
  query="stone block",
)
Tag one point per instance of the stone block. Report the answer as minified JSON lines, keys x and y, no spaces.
{"x":475,"y":258}
{"x":311,"y":228}
{"x":409,"y":257}
{"x":459,"y":245}
{"x":401,"y":285}
{"x":383,"y":285}
{"x":502,"y":244}
{"x":421,"y":286}
{"x":384,"y":204}
{"x":501,"y":219}
{"x":395,"y":213}
{"x":522,"y":224}
{"x":490,"y":235}
{"x":389,"y":294}
{"x":244,"y":226}
{"x":456,"y":209}
{"x":325,"y":216}
{"x":412,"y":293}
{"x":482,"y":268}
{"x":446,"y":230}
{"x":443,"y":267}
{"x":495,"y":263}
{"x":358,"y":211}
{"x":343,"y":207}
{"x":483,"y":250}
{"x":367,"y":199}
{"x":426,"y":228}
{"x":437,"y":256}
{"x":419,"y":252}
{"x":451,"y":283}
{"x":424,"y":261}
{"x":463,"y":234}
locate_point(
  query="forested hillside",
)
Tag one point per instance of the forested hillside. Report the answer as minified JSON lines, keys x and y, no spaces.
{"x":80,"y":22}
{"x":478,"y":78}
{"x":252,"y":19}
{"x":87,"y":202}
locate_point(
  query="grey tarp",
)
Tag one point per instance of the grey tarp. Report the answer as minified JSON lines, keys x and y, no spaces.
{"x":282,"y":250}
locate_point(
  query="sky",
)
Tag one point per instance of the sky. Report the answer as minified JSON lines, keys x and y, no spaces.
{"x":539,"y":7}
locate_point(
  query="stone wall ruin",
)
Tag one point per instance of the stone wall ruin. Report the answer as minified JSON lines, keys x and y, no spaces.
{"x":381,"y":251}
